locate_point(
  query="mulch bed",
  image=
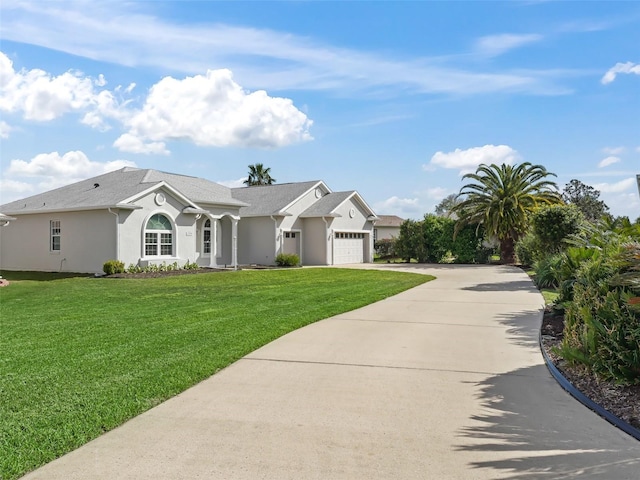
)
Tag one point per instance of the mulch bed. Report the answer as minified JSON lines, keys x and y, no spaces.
{"x":621,"y":401}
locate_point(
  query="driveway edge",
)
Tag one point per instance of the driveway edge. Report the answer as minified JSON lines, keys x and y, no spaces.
{"x":586,"y":401}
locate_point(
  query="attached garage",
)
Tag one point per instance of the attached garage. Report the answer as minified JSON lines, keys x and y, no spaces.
{"x":349,"y":247}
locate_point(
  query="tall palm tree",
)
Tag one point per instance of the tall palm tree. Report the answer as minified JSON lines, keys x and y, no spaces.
{"x":501,"y":197}
{"x":258,"y":175}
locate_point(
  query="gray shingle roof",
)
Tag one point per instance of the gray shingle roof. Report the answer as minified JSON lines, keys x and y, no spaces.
{"x":270,"y":199}
{"x":327,"y":204}
{"x":113,"y":188}
{"x":389,"y":221}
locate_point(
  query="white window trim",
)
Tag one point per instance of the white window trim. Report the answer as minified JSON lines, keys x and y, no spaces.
{"x":174,"y":238}
{"x":51,"y":236}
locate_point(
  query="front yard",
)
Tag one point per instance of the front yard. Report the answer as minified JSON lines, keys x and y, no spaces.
{"x":79,"y":356}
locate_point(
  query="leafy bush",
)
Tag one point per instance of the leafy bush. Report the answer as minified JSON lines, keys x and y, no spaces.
{"x":111,"y":267}
{"x":528,"y":249}
{"x":191,"y":266}
{"x":602,"y":325}
{"x":385,"y":247}
{"x":553,"y":224}
{"x":287,"y":260}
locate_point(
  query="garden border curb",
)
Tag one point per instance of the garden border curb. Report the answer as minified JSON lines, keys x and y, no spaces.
{"x":582,"y":398}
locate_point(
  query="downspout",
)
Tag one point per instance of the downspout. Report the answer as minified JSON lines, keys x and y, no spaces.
{"x":117,"y":214}
{"x":276,"y":237}
{"x":326,"y":255}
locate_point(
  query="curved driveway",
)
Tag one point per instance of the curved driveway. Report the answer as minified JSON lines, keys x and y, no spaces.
{"x":444,"y":381}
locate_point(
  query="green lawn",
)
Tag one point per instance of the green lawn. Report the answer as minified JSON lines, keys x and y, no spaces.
{"x":79,"y":356}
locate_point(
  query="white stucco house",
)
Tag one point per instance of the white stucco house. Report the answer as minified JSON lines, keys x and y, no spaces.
{"x":143,"y":216}
{"x":320,"y":226}
{"x":387,"y":227}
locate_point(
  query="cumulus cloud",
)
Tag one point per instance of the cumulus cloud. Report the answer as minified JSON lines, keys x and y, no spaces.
{"x":605,"y":162}
{"x":213,"y":110}
{"x":71,"y":166}
{"x":133,"y":144}
{"x":233,"y":183}
{"x":494,"y":45}
{"x":51,"y":170}
{"x":13,"y":189}
{"x":616,"y":187}
{"x":437,"y":192}
{"x":618,"y":68}
{"x":468,"y":160}
{"x":40,"y":96}
{"x":5,"y":128}
{"x":403,"y":207}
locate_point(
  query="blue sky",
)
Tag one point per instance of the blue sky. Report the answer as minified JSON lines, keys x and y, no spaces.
{"x":394,"y":99}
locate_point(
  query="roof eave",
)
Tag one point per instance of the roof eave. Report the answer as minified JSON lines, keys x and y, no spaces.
{"x":121,"y":206}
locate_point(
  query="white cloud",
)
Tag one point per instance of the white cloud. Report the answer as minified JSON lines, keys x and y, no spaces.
{"x":233,"y":183}
{"x":438,"y":193}
{"x":619,"y":67}
{"x":616,"y":187}
{"x":71,"y":166}
{"x":213,"y":110}
{"x":130,"y":143}
{"x":5,"y":128}
{"x":613,"y":150}
{"x":403,"y":207}
{"x":51,"y":170}
{"x":494,"y":45}
{"x":468,"y":160}
{"x":128,"y":33}
{"x":605,"y":162}
{"x":40,"y":96}
{"x":13,"y":189}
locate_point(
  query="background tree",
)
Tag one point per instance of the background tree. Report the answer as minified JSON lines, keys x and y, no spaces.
{"x":586,"y":198}
{"x":501,"y":198}
{"x":258,"y":175}
{"x":445,"y":207}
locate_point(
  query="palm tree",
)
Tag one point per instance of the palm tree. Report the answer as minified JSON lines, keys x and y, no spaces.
{"x":501,"y":197}
{"x":258,"y":175}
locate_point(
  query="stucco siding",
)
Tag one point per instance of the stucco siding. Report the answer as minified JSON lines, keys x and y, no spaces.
{"x":387,"y":232}
{"x":87,"y":240}
{"x":256,"y":241}
{"x":315,"y":242}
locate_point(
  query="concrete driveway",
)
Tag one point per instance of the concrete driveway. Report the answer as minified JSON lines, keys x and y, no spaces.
{"x":444,"y":381}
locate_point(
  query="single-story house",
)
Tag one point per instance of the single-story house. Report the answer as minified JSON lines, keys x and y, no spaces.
{"x":320,"y":226}
{"x":144,"y":216}
{"x":387,"y":227}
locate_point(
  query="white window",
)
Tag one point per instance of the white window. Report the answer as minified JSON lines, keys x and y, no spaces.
{"x":289,"y":234}
{"x":206,"y":237}
{"x":158,"y":236}
{"x":375,"y":234}
{"x":55,"y":231}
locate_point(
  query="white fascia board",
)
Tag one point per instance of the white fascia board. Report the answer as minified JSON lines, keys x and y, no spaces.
{"x":176,"y":193}
{"x":79,"y":209}
{"x":313,"y":187}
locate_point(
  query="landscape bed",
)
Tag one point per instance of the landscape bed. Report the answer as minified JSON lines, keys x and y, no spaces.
{"x":80,"y":356}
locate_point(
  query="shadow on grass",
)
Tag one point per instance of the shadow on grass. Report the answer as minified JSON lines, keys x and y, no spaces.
{"x":16,"y":276}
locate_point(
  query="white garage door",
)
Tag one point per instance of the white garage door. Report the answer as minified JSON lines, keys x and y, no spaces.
{"x":348,"y":248}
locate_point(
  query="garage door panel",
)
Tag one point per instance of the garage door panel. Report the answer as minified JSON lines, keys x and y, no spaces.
{"x":348,"y":248}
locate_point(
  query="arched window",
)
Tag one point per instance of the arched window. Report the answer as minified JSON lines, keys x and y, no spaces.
{"x":206,"y":237}
{"x":158,"y":236}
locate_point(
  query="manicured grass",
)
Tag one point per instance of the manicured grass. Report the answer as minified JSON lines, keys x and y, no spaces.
{"x":550,"y":295}
{"x":79,"y":356}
